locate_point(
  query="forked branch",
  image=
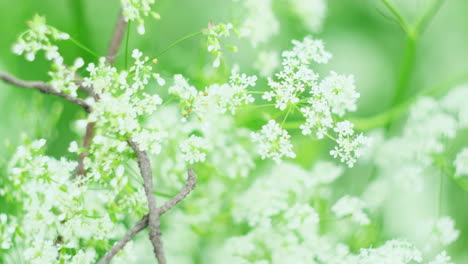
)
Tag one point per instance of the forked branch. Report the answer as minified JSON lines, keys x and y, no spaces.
{"x":143,"y":222}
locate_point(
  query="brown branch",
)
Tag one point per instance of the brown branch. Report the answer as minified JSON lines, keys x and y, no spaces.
{"x":114,"y":47}
{"x":119,"y":32}
{"x":153,"y":216}
{"x":44,"y":88}
{"x":143,"y":223}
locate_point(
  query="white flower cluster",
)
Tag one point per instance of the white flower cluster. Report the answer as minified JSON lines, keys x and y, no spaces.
{"x":349,"y":148}
{"x":7,"y":231}
{"x":334,"y":95}
{"x":193,"y":149}
{"x":351,"y":206}
{"x":260,"y":23}
{"x":428,"y":128}
{"x":311,"y":12}
{"x":392,"y":252}
{"x":63,"y":77}
{"x":134,"y":10}
{"x":38,"y":37}
{"x":53,"y":205}
{"x":214,"y":33}
{"x":444,"y":230}
{"x":271,"y":191}
{"x":216,"y":97}
{"x":442,"y":258}
{"x":296,"y":75}
{"x":454,"y":103}
{"x":273,"y":142}
{"x":120,"y":105}
{"x":461,"y":163}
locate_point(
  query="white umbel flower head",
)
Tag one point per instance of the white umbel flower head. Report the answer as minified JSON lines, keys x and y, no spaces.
{"x":273,"y":142}
{"x":193,"y":149}
{"x":312,"y":13}
{"x":442,"y":258}
{"x":135,"y":10}
{"x":392,"y":252}
{"x":351,"y":206}
{"x":445,"y":230}
{"x":461,"y":163}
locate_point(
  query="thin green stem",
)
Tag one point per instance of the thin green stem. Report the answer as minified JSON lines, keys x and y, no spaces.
{"x":388,"y":116}
{"x":178,"y":42}
{"x":83,"y":47}
{"x":439,"y":196}
{"x":286,"y":116}
{"x":406,"y":71}
{"x":427,"y":16}
{"x":404,"y":25}
{"x":330,"y":137}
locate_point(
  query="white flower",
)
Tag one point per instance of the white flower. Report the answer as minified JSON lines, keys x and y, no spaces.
{"x":38,"y":37}
{"x":38,"y":144}
{"x":442,"y":258}
{"x":136,"y":54}
{"x":82,"y":257}
{"x":455,"y":103}
{"x":349,"y":149}
{"x":273,"y":142}
{"x":296,"y":76}
{"x":73,"y":148}
{"x":193,"y":149}
{"x":325,"y":172}
{"x":136,"y":10}
{"x":445,"y":230}
{"x":260,"y":23}
{"x":214,"y":34}
{"x":312,"y":13}
{"x":461,"y":163}
{"x":392,"y":252}
{"x":351,"y":206}
{"x":301,"y":216}
{"x":339,"y":91}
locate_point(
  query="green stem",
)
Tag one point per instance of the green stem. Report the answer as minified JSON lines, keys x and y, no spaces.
{"x":427,"y":16}
{"x":83,"y":47}
{"x":177,"y":42}
{"x":404,"y":25}
{"x":388,"y":116}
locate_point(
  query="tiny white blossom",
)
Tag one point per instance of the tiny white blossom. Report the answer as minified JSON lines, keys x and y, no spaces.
{"x":312,"y":12}
{"x":461,"y":163}
{"x":73,"y":147}
{"x":351,"y":206}
{"x":442,"y":258}
{"x":193,"y":149}
{"x":445,"y":230}
{"x":273,"y":142}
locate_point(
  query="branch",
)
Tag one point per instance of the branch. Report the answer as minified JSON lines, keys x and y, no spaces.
{"x":119,"y":32}
{"x":111,"y":54}
{"x":44,"y":88}
{"x":153,"y":216}
{"x":143,"y":223}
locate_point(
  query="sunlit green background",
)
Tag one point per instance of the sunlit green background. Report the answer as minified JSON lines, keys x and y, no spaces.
{"x":361,"y":34}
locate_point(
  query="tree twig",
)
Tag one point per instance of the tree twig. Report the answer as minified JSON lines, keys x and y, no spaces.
{"x":111,"y":55}
{"x":143,"y":222}
{"x":153,"y":216}
{"x":44,"y":88}
{"x":116,"y":41}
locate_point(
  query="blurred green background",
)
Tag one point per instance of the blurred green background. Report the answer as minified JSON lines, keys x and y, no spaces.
{"x":361,"y":34}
